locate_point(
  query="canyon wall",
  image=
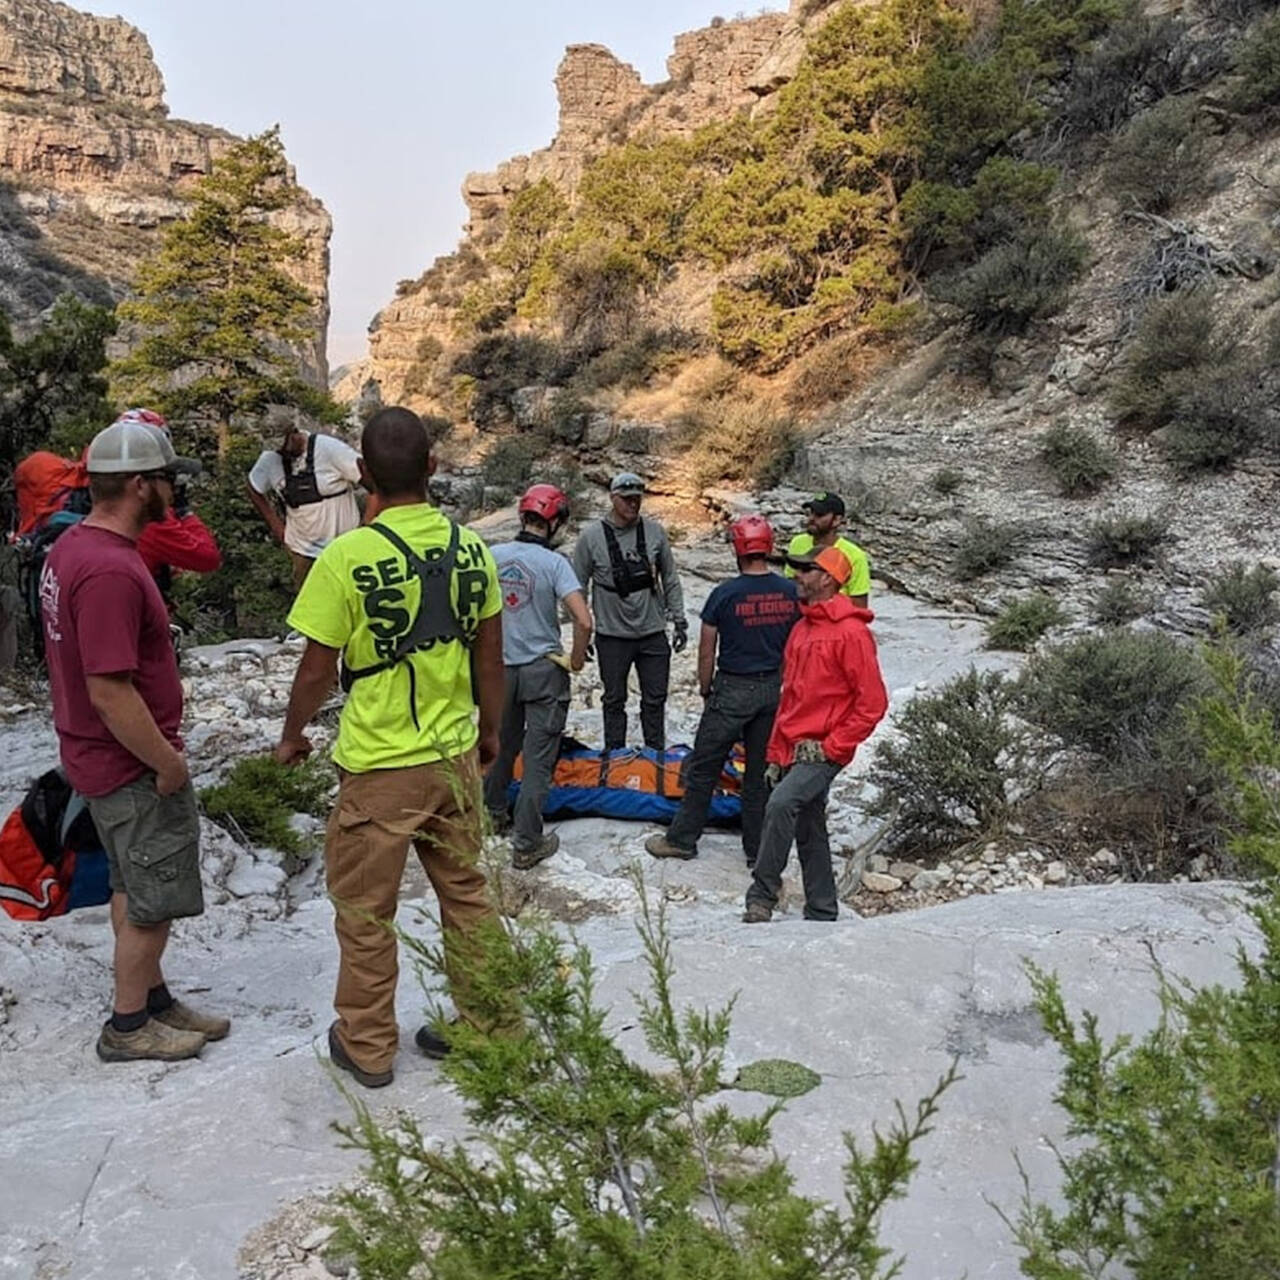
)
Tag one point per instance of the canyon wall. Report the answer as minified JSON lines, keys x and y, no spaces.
{"x":92,"y":166}
{"x":713,"y":74}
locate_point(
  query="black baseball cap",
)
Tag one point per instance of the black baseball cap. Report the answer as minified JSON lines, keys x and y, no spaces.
{"x":825,"y":504}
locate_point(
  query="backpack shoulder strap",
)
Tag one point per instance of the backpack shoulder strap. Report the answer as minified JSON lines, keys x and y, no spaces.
{"x":621,"y":581}
{"x":423,"y":568}
{"x":436,"y":618}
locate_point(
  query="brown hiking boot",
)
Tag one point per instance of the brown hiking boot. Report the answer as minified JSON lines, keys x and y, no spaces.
{"x":757,"y":913}
{"x":153,"y":1041}
{"x":184,"y":1018}
{"x":341,"y":1058}
{"x":660,"y":847}
{"x":523,"y":859}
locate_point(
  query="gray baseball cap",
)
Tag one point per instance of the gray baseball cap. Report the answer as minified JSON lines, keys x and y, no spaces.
{"x":626,"y":482}
{"x":132,"y":448}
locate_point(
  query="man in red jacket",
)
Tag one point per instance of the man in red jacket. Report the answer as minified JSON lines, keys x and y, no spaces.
{"x":832,"y":698}
{"x":180,"y":540}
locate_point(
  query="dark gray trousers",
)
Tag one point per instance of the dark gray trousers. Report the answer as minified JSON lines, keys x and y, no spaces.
{"x":739,"y":709}
{"x":533,"y":716}
{"x":651,"y":657}
{"x":797,"y":810}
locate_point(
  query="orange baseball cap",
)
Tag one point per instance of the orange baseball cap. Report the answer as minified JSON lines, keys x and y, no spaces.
{"x":830,"y":559}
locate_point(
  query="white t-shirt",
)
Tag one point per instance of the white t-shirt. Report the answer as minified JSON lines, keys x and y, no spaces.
{"x":309,"y":529}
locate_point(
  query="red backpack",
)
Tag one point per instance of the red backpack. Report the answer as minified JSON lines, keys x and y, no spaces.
{"x":51,"y":860}
{"x":44,"y":483}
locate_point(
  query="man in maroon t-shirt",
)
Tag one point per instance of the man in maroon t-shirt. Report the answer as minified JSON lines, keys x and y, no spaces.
{"x":117,"y":707}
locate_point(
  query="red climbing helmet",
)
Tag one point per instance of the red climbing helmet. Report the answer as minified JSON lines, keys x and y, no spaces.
{"x":148,"y":418}
{"x":547,"y":501}
{"x":751,"y":536}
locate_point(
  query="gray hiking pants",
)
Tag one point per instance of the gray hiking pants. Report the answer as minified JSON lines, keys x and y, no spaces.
{"x":651,"y":657}
{"x":739,"y":709}
{"x":533,"y":716}
{"x":797,"y":810}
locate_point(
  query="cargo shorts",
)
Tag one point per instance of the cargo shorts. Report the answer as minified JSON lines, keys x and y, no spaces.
{"x":153,"y":849}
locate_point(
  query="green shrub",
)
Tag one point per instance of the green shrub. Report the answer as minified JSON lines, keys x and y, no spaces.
{"x":1245,"y":598}
{"x":1158,"y":158}
{"x":633,"y":362}
{"x":509,"y":464}
{"x":1173,"y":342}
{"x":1236,"y":12}
{"x":1117,"y":694}
{"x":513,"y":463}
{"x":1238,"y":728}
{"x":984,"y":546}
{"x":1020,"y":623}
{"x":420,"y":377}
{"x":1139,"y":58}
{"x":500,"y":364}
{"x":1119,"y":601}
{"x":597,"y":294}
{"x":1125,"y":539}
{"x":258,"y":796}
{"x":1216,"y":419}
{"x":748,"y":443}
{"x":1258,"y":65}
{"x":956,"y":763}
{"x":1080,"y":462}
{"x":1124,"y":697}
{"x":1173,"y":1137}
{"x":1016,"y":282}
{"x":582,"y":1161}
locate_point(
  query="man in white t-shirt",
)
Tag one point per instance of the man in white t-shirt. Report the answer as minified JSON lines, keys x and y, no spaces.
{"x":314,"y":476}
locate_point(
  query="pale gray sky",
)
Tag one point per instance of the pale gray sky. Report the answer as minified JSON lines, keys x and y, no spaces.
{"x":385,"y":105}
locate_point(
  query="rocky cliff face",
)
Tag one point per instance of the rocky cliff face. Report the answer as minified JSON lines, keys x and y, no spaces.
{"x":91,"y":165}
{"x":713,"y":74}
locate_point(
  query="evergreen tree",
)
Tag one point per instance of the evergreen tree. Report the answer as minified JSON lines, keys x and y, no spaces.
{"x":221,"y":317}
{"x":52,"y":390}
{"x":586,"y":1163}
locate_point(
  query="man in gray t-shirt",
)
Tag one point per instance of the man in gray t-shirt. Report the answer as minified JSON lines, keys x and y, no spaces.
{"x":534,"y":581}
{"x":635,"y":590}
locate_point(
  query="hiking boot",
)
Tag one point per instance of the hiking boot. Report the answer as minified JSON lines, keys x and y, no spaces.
{"x":757,"y":913}
{"x":523,"y":859}
{"x":660,"y":847}
{"x":153,"y":1041}
{"x":343,"y":1060}
{"x":499,"y":823}
{"x":184,"y":1018}
{"x":431,"y":1043}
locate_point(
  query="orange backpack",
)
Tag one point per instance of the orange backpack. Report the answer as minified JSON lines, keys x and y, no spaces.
{"x":50,"y":857}
{"x":43,"y":484}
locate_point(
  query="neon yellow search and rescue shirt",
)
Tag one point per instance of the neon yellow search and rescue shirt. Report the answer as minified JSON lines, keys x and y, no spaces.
{"x":859,"y":583}
{"x":361,"y":596}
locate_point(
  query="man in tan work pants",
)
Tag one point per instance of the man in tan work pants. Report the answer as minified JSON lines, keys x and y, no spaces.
{"x":411,"y":603}
{"x":436,"y":807}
